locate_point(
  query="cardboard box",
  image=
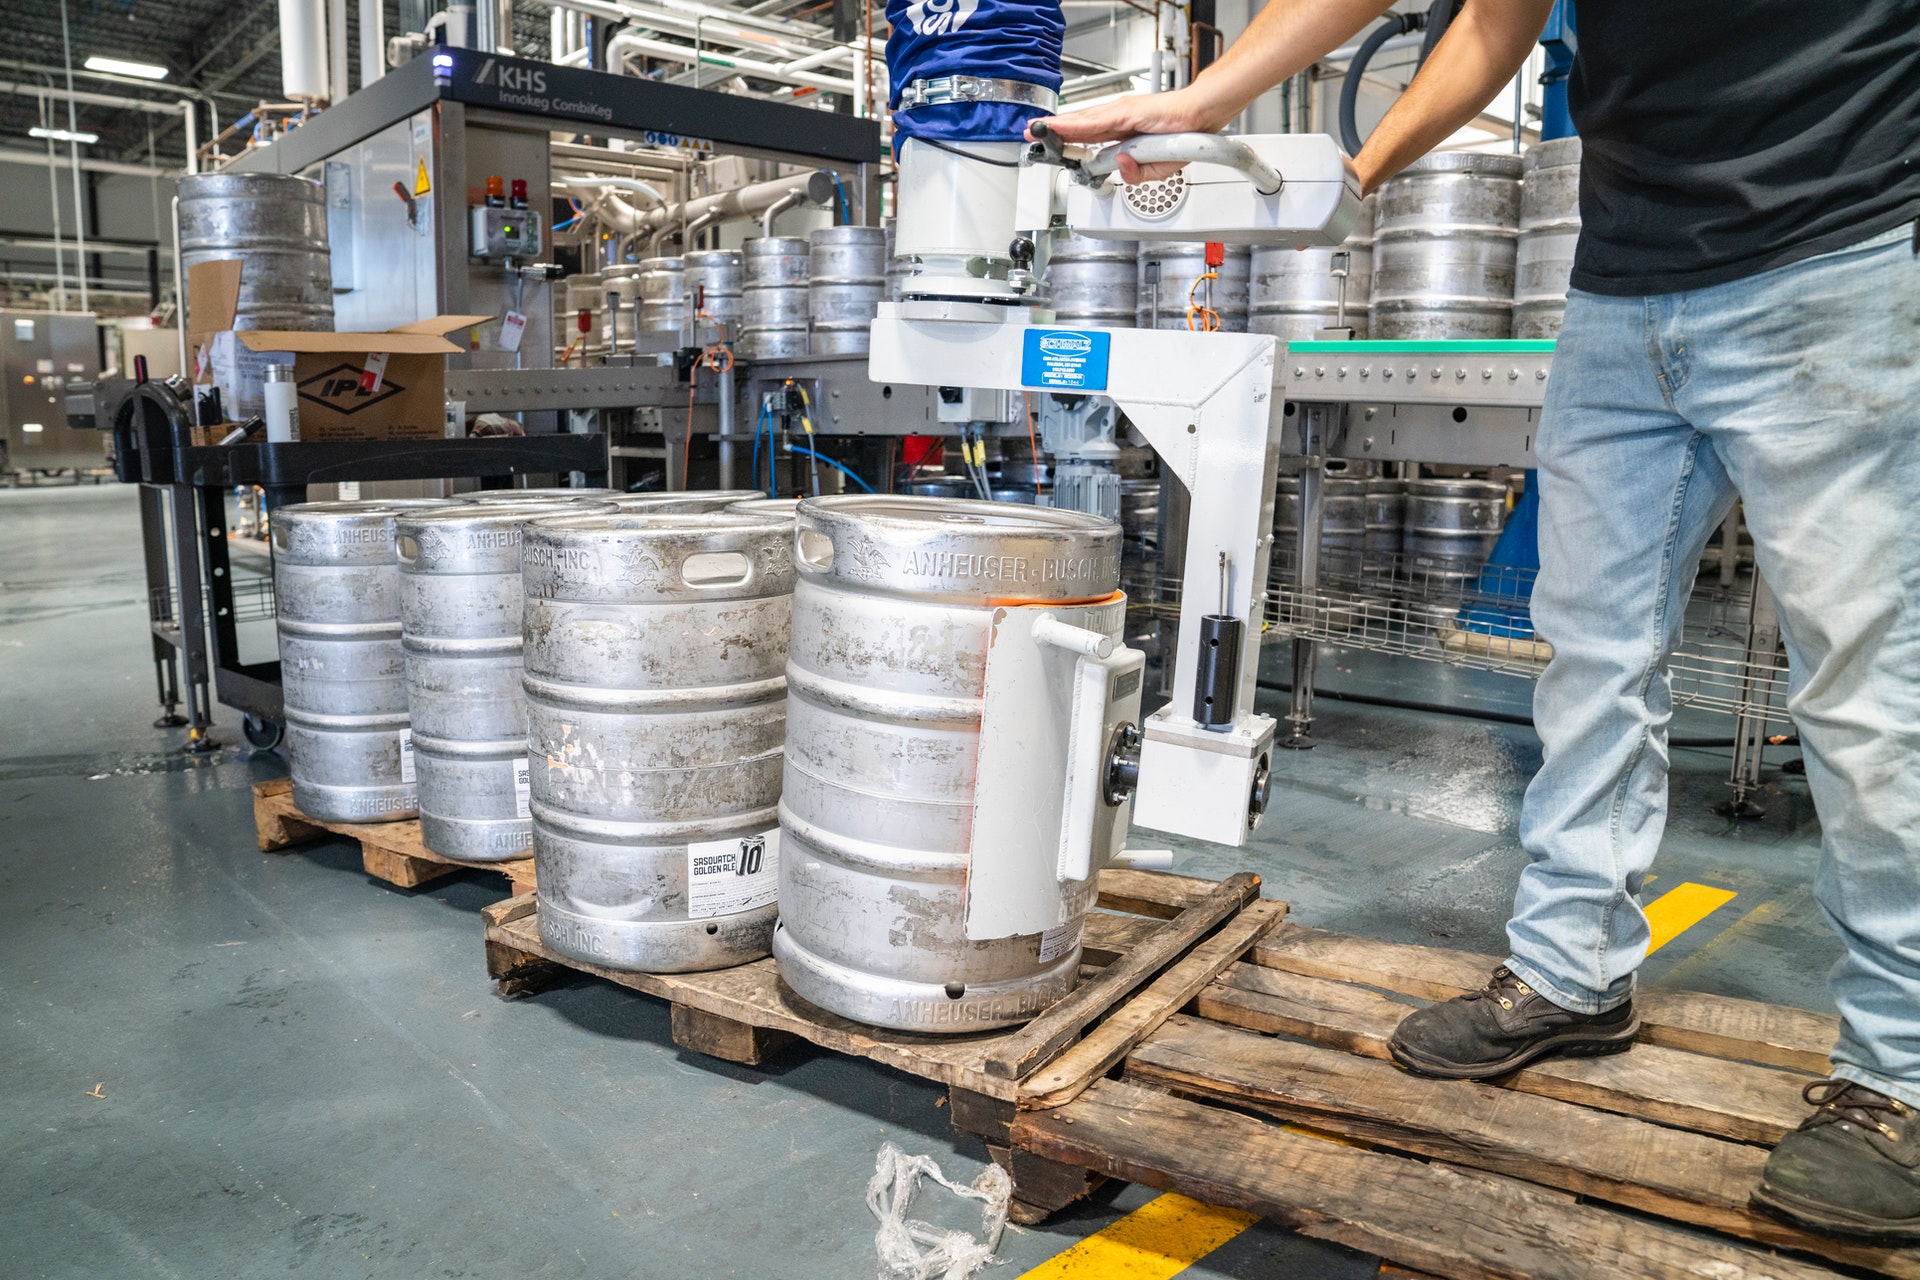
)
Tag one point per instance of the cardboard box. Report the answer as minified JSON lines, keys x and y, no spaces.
{"x":407,"y":401}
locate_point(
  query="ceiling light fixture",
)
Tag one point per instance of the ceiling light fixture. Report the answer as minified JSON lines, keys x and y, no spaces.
{"x":62,"y":135}
{"x":121,"y":67}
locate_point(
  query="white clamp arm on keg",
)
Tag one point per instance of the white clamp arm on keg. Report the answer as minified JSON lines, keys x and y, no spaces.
{"x":1091,"y":739}
{"x":1186,"y":148}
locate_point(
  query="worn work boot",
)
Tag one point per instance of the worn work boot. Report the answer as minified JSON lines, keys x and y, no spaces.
{"x":1501,"y":1028}
{"x":1850,"y":1168}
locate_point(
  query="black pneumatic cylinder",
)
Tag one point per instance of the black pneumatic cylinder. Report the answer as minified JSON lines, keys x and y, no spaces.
{"x":1219,"y":670}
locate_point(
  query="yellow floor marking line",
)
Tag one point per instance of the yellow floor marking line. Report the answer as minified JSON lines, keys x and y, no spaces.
{"x":1680,"y":908}
{"x":1160,"y":1239}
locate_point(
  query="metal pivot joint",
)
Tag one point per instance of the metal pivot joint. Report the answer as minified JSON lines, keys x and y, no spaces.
{"x":1122,"y":774}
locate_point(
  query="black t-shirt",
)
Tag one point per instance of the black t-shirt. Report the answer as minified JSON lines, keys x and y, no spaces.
{"x":1724,"y":139}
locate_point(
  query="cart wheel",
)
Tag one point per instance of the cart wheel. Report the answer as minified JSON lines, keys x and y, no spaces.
{"x":262,"y":734}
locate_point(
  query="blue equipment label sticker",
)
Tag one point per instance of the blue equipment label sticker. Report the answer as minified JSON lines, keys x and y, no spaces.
{"x":1065,"y":359}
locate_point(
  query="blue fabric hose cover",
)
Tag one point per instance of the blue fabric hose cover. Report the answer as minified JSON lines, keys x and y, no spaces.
{"x":996,"y":39}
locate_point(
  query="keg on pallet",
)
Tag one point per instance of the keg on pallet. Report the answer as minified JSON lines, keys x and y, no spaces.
{"x":1166,"y":275}
{"x":846,"y":282}
{"x":713,"y":288}
{"x":276,"y":225}
{"x":1444,"y":240}
{"x":1343,"y":525}
{"x":656,"y":691}
{"x":460,"y":617}
{"x":1451,"y":527}
{"x":1094,"y":282}
{"x":1294,"y":293}
{"x":661,"y":289}
{"x":336,"y":582}
{"x":1549,"y":230}
{"x":773,"y":297}
{"x":884,"y":701}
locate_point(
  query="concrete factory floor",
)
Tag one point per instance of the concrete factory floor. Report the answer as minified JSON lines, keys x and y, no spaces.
{"x":218,"y":1062}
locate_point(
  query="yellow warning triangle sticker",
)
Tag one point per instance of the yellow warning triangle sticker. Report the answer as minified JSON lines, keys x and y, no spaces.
{"x":420,"y":184}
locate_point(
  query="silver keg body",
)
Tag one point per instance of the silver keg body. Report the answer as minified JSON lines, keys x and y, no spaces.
{"x":1446,"y":231}
{"x":336,"y":584}
{"x":1549,"y":231}
{"x":886,"y":682}
{"x":460,"y":610}
{"x":656,"y":697}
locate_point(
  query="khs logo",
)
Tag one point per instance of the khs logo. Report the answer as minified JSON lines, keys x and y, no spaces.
{"x":939,"y":17}
{"x":520,"y":79}
{"x":338,"y":389}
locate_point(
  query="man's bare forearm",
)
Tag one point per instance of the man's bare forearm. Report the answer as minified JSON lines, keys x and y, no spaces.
{"x":1484,"y":46}
{"x":1284,"y":39}
{"x":1287,"y":36}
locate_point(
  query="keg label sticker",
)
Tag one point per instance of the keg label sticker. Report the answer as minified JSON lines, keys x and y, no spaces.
{"x":729,"y":876}
{"x":1059,"y":940}
{"x":522,"y":789}
{"x":406,"y":755}
{"x":1065,"y":359}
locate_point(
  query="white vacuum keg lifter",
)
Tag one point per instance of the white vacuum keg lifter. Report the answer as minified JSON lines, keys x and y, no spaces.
{"x":1208,"y":403}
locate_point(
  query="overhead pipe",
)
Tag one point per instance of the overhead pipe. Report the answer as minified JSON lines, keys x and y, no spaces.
{"x":303,"y":49}
{"x":628,"y":41}
{"x":622,"y":11}
{"x":743,"y":202}
{"x":373,"y":41}
{"x":779,"y":207}
{"x":611,"y":184}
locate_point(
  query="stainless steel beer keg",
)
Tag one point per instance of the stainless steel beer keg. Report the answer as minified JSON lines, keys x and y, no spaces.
{"x":890,"y":627}
{"x":656,"y":693}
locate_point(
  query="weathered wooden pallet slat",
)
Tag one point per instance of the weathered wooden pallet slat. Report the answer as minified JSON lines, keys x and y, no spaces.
{"x":1689,"y":1177}
{"x":1453,"y":1222}
{"x":1719,"y":1026}
{"x":1727,"y":1098}
{"x":753,"y":996}
{"x":389,"y":851}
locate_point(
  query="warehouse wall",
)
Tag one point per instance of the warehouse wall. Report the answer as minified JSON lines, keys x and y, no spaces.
{"x":133,"y":212}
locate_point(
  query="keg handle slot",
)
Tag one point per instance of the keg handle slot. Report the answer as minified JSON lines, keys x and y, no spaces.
{"x":706,"y":570}
{"x":407,"y":547}
{"x":813,"y":549}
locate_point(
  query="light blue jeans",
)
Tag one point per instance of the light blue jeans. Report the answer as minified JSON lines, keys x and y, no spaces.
{"x":1800,"y":389}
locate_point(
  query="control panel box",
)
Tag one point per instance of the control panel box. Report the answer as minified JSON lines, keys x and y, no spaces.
{"x":505,"y":233}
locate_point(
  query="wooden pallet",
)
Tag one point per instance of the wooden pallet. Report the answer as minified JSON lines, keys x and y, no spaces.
{"x":1156,"y":941}
{"x":1637,"y":1165}
{"x":390,"y":851}
{"x":1213,"y":1049}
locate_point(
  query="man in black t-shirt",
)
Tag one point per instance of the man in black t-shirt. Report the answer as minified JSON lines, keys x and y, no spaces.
{"x":1745,"y":311}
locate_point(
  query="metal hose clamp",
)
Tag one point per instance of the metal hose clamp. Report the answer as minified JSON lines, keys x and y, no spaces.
{"x":941,"y":90}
